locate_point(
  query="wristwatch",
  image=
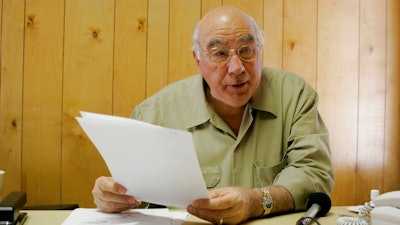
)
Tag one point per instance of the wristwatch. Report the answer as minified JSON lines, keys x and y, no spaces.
{"x":267,"y":202}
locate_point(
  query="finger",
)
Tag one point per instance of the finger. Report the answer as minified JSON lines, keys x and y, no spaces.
{"x":213,"y":216}
{"x":111,"y":202}
{"x":216,"y":202}
{"x":107,"y":206}
{"x":113,"y":197}
{"x":110,"y":196}
{"x":108,"y":184}
{"x":107,"y":190}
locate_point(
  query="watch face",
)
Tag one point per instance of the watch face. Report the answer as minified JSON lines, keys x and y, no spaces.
{"x":269,"y":203}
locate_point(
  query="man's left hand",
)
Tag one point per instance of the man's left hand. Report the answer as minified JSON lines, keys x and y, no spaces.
{"x":230,"y":205}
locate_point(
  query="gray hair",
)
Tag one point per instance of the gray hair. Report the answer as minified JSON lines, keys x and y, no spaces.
{"x":195,"y":37}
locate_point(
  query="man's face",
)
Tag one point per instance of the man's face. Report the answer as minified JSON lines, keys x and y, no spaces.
{"x":232,"y":78}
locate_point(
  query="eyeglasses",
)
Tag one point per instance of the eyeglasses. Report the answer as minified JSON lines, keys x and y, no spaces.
{"x":223,"y":54}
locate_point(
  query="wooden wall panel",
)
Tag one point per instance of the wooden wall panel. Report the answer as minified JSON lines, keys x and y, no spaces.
{"x":42,"y":100}
{"x":337,"y":84}
{"x":88,"y":86}
{"x":371,"y":112}
{"x":207,"y":5}
{"x":181,"y":25}
{"x":106,"y":56}
{"x":300,"y":39}
{"x":391,"y":152}
{"x":130,"y":55}
{"x":273,"y":32}
{"x":158,"y":46}
{"x":11,"y":80}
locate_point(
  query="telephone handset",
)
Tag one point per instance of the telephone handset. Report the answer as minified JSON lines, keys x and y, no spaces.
{"x":387,"y":209}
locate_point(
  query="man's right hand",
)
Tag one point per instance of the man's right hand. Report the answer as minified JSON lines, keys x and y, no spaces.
{"x":110,"y":196}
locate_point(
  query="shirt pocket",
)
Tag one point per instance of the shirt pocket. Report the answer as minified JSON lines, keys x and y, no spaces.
{"x":211,"y":175}
{"x":265,"y":174}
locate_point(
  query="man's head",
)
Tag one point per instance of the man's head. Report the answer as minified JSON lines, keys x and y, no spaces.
{"x":228,"y":51}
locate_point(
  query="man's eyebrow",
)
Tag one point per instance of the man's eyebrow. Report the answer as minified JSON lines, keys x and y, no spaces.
{"x":246,"y":37}
{"x":215,"y":41}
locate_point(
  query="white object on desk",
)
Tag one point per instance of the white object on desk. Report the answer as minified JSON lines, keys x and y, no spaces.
{"x":355,"y":209}
{"x":349,"y":220}
{"x":385,"y":215}
{"x":156,"y":164}
{"x":388,"y":199}
{"x":84,"y":216}
{"x":387,"y":209}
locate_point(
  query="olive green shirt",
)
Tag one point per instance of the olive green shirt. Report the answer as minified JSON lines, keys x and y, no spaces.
{"x":282,"y":139}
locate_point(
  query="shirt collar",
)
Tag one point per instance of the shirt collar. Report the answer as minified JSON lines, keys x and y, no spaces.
{"x":263,"y":100}
{"x":198,"y":109}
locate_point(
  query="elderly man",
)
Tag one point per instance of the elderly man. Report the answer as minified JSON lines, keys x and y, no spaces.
{"x":261,"y":144}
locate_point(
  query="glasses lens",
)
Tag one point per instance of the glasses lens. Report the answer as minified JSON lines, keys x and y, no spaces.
{"x":219,"y":55}
{"x":245,"y":52}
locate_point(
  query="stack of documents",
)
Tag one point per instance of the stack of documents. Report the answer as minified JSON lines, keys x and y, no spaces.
{"x":155,"y":164}
{"x":82,"y":216}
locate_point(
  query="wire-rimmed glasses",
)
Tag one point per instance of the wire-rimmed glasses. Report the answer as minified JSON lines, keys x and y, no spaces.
{"x":223,"y":54}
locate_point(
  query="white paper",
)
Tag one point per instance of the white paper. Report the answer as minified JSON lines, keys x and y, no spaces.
{"x":85,"y":216}
{"x":178,"y":218}
{"x":156,"y":164}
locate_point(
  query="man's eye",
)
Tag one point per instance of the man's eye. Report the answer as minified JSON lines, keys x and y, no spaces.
{"x":245,"y":50}
{"x":220,"y":53}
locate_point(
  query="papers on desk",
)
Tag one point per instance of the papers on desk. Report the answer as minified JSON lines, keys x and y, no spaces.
{"x":84,"y":216}
{"x":156,"y":164}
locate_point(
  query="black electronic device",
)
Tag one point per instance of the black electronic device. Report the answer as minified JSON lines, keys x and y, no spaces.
{"x":319,"y":205}
{"x":10,"y":209}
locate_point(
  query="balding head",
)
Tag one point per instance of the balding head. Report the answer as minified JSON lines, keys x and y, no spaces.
{"x":221,"y":19}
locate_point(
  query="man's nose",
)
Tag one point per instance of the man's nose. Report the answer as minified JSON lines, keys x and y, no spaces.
{"x":235,"y":64}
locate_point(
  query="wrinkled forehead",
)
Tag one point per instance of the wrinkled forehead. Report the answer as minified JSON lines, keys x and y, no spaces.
{"x":221,"y":28}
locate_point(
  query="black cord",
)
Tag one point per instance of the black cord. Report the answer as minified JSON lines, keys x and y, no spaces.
{"x":307,"y":217}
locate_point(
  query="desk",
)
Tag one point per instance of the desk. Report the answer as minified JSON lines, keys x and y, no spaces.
{"x":56,"y":217}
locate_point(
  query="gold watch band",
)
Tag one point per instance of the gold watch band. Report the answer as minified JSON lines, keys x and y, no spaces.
{"x":267,"y":202}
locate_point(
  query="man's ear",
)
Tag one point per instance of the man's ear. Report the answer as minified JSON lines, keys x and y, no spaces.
{"x":195,"y":58}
